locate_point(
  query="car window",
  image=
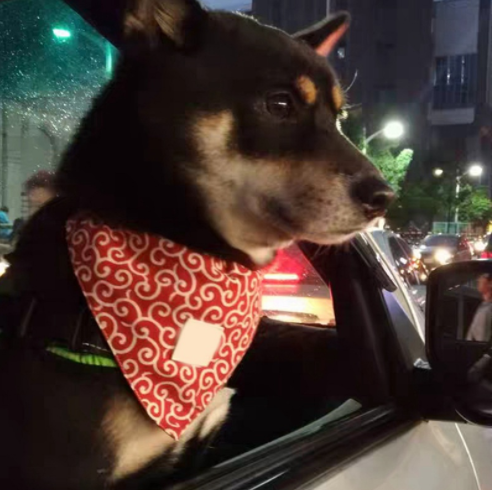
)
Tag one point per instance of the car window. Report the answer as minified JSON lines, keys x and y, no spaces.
{"x":404,"y":245}
{"x":399,"y":255}
{"x":441,"y":241}
{"x":293,"y":291}
{"x":404,"y":262}
{"x":52,"y":65}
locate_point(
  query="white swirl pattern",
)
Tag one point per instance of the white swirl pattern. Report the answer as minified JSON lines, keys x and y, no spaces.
{"x":141,"y":290}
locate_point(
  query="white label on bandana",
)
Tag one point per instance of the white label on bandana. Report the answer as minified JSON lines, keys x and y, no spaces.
{"x":197,"y":343}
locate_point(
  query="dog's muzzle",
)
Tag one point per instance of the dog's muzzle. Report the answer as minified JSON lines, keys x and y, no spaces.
{"x":374,"y":194}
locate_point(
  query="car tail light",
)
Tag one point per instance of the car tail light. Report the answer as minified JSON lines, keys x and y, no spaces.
{"x":294,"y":292}
{"x":286,"y":269}
{"x":486,"y":255}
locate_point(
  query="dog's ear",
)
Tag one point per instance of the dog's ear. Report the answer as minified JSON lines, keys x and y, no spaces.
{"x":180,"y":21}
{"x":324,"y":36}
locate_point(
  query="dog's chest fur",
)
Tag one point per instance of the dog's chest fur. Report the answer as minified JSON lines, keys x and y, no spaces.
{"x":135,"y":440}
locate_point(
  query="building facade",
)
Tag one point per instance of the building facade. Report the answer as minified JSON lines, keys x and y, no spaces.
{"x":460,"y":111}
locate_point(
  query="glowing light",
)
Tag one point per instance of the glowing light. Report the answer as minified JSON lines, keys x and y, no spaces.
{"x":394,"y":130}
{"x":3,"y":267}
{"x":60,"y":33}
{"x":438,"y":172}
{"x":282,"y":277}
{"x":476,"y":170}
{"x":443,"y":256}
{"x":479,"y":246}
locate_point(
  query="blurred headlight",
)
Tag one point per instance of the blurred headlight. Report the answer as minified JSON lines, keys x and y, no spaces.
{"x":443,"y":256}
{"x":417,"y":254}
{"x":4,"y":265}
{"x":479,"y":246}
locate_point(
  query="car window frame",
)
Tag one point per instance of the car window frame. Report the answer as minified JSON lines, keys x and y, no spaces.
{"x":308,"y":457}
{"x":404,"y":245}
{"x":286,"y":462}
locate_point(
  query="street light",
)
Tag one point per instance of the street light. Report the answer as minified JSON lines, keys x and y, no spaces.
{"x":392,"y":130}
{"x":476,"y":170}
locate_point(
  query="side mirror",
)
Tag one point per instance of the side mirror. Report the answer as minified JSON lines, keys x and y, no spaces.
{"x":459,"y":336}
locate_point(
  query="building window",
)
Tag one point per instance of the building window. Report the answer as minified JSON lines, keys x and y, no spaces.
{"x":455,"y":80}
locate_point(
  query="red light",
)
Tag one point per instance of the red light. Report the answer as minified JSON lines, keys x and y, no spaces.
{"x":486,"y":255}
{"x":286,"y":269}
{"x":282,"y":277}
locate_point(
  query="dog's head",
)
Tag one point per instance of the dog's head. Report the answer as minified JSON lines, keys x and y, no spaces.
{"x":244,"y":116}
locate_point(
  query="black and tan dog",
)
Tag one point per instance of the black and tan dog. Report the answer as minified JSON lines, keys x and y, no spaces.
{"x":218,"y":133}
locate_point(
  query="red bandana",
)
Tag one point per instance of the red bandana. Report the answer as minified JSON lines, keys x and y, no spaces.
{"x":178,"y":322}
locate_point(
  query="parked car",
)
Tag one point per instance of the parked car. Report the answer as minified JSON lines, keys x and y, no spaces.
{"x":437,"y":250}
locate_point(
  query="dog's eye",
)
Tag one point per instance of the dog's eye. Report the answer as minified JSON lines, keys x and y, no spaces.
{"x":280,"y":105}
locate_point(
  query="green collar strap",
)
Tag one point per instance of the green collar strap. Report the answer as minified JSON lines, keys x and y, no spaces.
{"x":88,"y":359}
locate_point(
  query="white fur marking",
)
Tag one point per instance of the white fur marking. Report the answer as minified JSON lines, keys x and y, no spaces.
{"x":136,"y":440}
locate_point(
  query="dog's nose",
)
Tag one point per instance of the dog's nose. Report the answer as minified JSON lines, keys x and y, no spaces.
{"x":374,"y":195}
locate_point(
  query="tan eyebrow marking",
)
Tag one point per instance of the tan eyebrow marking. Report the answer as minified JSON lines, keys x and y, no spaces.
{"x":338,"y":97}
{"x":307,"y":88}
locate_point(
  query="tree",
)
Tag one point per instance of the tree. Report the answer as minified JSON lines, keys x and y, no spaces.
{"x":393,"y":165}
{"x":421,"y":203}
{"x":394,"y":168}
{"x":475,"y":206}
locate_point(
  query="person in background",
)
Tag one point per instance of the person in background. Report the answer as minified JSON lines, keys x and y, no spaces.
{"x":5,"y":226}
{"x":481,"y":326}
{"x":39,"y":189}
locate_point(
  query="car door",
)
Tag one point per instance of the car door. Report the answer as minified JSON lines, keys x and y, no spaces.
{"x":429,"y":456}
{"x":357,"y":446}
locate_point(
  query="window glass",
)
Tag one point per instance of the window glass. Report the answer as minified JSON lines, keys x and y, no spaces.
{"x":52,"y":65}
{"x":403,"y":262}
{"x":455,"y":81}
{"x":293,"y":291}
{"x":441,"y":241}
{"x":404,"y":245}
